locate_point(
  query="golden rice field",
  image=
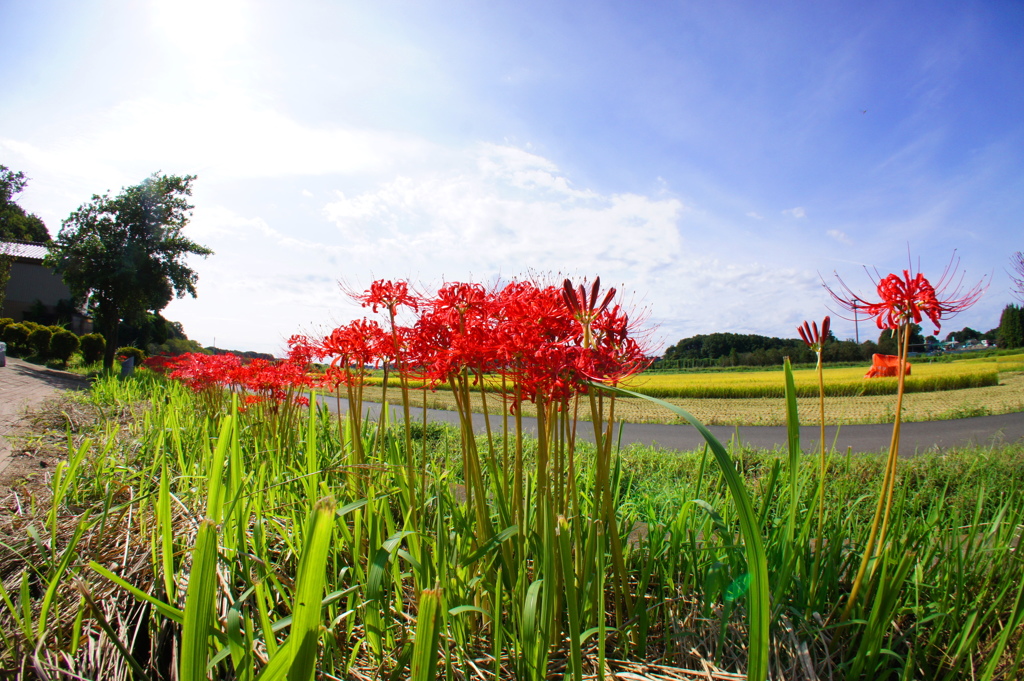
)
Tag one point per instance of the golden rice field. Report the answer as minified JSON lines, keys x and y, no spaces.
{"x":994,"y":385}
{"x":839,"y":382}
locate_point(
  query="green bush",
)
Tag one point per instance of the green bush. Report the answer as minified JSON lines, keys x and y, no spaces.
{"x":63,"y":344}
{"x":16,"y":337}
{"x":4,"y":323}
{"x":129,"y":351}
{"x":39,"y":339}
{"x":92,"y":346}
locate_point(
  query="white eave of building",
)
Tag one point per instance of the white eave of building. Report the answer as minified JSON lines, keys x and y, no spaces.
{"x":26,"y":250}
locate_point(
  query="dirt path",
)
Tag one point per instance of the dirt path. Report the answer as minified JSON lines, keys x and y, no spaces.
{"x":23,"y":386}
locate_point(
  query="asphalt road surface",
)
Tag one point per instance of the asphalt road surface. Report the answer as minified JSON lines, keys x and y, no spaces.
{"x":867,"y":438}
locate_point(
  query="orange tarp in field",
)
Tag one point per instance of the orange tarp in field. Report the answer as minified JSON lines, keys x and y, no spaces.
{"x":885,"y":365}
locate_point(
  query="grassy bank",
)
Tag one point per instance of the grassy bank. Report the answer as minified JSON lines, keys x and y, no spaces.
{"x":183,"y":533}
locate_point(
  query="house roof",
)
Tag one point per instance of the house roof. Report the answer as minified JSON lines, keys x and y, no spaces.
{"x":25,"y":250}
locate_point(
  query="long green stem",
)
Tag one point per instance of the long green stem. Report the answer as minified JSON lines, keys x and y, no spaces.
{"x":878,"y":525}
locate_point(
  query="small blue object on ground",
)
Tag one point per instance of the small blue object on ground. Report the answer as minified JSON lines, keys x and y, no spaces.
{"x":127,"y":367}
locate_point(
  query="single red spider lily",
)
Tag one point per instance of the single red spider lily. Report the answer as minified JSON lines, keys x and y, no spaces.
{"x":911,"y":298}
{"x":810,"y":335}
{"x":388,"y":294}
{"x":585,"y":308}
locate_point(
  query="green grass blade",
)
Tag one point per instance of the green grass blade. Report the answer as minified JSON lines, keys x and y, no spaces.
{"x":309,"y":591}
{"x":199,"y":602}
{"x":563,"y":534}
{"x":169,"y":611}
{"x":757,"y":560}
{"x":424,"y":654}
{"x":58,"y":574}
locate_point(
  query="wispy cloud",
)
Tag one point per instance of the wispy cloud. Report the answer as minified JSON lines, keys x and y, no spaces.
{"x":840,"y":236}
{"x":797,"y":212}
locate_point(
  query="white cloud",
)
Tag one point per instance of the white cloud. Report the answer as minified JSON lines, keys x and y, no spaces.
{"x":797,"y":212}
{"x":506,"y":209}
{"x":840,"y":236}
{"x":755,"y":215}
{"x":220,"y":137}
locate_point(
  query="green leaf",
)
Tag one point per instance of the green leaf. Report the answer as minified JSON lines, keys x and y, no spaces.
{"x":309,"y":590}
{"x":424,"y":655}
{"x":757,"y":560}
{"x":199,"y":602}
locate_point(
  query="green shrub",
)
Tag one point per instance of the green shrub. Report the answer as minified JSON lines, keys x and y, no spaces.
{"x":4,"y":323}
{"x":16,"y":337}
{"x":39,"y":339}
{"x":129,"y":351}
{"x":92,"y":346}
{"x":63,"y":344}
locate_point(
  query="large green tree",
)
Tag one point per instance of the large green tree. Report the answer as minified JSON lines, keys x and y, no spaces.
{"x":15,"y":223}
{"x":1011,"y":327}
{"x":125,"y":255}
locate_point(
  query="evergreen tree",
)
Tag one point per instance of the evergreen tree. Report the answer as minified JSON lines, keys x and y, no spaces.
{"x":1011,"y":328}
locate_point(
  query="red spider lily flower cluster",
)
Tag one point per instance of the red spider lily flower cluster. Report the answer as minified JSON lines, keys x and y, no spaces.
{"x":546,"y":340}
{"x":262,"y":380}
{"x":911,"y":298}
{"x":160,"y":364}
{"x":810,"y":335}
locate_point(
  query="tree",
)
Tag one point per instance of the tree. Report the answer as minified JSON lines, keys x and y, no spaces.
{"x":963,"y":335}
{"x":1011,"y":328}
{"x":15,"y":223}
{"x":1017,"y":262}
{"x":6,"y":261}
{"x":125,"y":255}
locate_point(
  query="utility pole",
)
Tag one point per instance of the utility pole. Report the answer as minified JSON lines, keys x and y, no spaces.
{"x":856,"y":325}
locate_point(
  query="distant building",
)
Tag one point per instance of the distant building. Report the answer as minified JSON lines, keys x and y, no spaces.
{"x":36,"y":292}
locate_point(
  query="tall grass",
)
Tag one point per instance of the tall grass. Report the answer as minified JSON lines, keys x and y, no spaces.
{"x":205,"y":542}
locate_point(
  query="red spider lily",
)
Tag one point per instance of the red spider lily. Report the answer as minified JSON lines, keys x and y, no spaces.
{"x":911,"y":298}
{"x":302,"y":350}
{"x":200,"y":372}
{"x":388,"y":294}
{"x":356,"y":345}
{"x":549,"y":341}
{"x":584,"y":308}
{"x":810,"y":336}
{"x":273,"y":380}
{"x":160,"y":364}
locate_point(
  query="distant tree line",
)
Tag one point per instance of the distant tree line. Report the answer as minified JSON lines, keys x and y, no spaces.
{"x":735,"y":349}
{"x":247,"y":354}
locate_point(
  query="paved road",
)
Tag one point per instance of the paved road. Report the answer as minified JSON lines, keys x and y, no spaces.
{"x":22,"y":386}
{"x":915,"y":437}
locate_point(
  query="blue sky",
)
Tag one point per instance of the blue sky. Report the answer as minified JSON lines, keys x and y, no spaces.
{"x":710,"y":159}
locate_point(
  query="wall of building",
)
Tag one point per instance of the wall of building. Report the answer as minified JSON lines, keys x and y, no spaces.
{"x":30,"y":282}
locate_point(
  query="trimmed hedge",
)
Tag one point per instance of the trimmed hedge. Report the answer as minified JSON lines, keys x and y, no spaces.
{"x":39,"y":339}
{"x":16,"y":337}
{"x":129,"y":351}
{"x":63,"y":344}
{"x":92,"y":346}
